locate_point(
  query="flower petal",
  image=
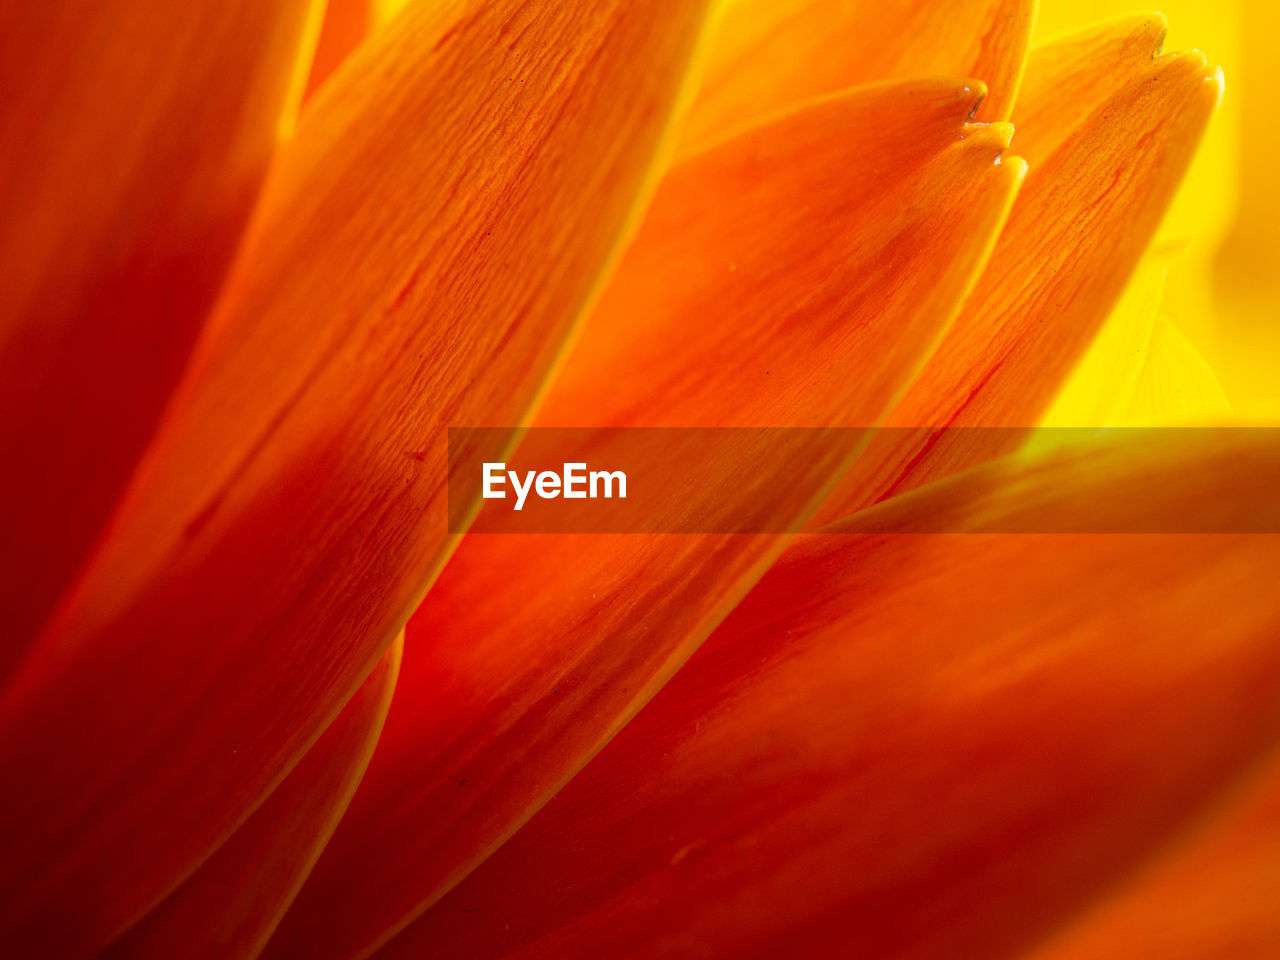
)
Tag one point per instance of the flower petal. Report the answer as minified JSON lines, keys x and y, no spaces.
{"x":228,"y":908}
{"x":1068,"y":79}
{"x":1206,"y":203}
{"x":854,"y":225}
{"x":917,"y":746}
{"x":1205,"y":206}
{"x":1075,"y":234}
{"x":133,"y":141}
{"x":424,"y":247}
{"x":1176,"y":385}
{"x":1211,"y":896}
{"x":346,"y":22}
{"x":772,"y":54}
{"x":1101,"y":390}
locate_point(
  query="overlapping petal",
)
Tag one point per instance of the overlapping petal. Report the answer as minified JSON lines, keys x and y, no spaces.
{"x":424,"y":250}
{"x":1208,"y":201}
{"x":291,"y":512}
{"x":1141,"y":370}
{"x":1176,"y":383}
{"x":1101,"y":390}
{"x":772,"y":54}
{"x":228,"y":908}
{"x":1211,"y":895}
{"x":1073,"y":237}
{"x":1069,"y":78}
{"x":346,"y":23}
{"x":781,"y":278}
{"x":920,"y":746}
{"x":133,"y":143}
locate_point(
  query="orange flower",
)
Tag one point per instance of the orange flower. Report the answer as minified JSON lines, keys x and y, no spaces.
{"x":230,"y":344}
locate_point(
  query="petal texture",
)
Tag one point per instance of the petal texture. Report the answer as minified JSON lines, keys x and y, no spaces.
{"x":1101,"y":390}
{"x":133,"y":141}
{"x":228,"y":908}
{"x":916,"y":746}
{"x":795,"y":275}
{"x":1177,"y":385}
{"x":771,"y":54}
{"x":424,"y":246}
{"x":1211,"y":895}
{"x":1069,"y":78}
{"x":1075,"y":234}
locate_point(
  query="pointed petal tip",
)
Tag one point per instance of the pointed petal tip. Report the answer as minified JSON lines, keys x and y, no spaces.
{"x":996,"y":135}
{"x":1156,"y":25}
{"x":961,"y":94}
{"x":1188,"y":60}
{"x":1190,"y":67}
{"x":1016,"y":166}
{"x":1215,"y":82}
{"x":994,"y":139}
{"x":1194,"y":65}
{"x":1146,"y":28}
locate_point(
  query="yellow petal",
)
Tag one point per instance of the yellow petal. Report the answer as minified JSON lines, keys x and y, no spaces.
{"x":1141,"y":371}
{"x":1205,"y":206}
{"x":1176,"y":385}
{"x":1101,"y":390}
{"x":1202,"y":213}
{"x":384,"y":10}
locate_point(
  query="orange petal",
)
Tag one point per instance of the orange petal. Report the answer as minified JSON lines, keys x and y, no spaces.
{"x":1075,"y":234}
{"x":346,"y":22}
{"x":917,"y":746}
{"x":1210,"y":896}
{"x":229,"y":907}
{"x":853,"y":227}
{"x":133,"y":141}
{"x":424,"y":247}
{"x":772,"y":54}
{"x":1069,"y":78}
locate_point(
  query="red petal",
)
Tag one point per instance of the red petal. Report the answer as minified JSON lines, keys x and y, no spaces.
{"x":133,"y":141}
{"x":229,"y":907}
{"x":423,"y":249}
{"x":923,"y":747}
{"x":1211,"y":896}
{"x":855,"y":225}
